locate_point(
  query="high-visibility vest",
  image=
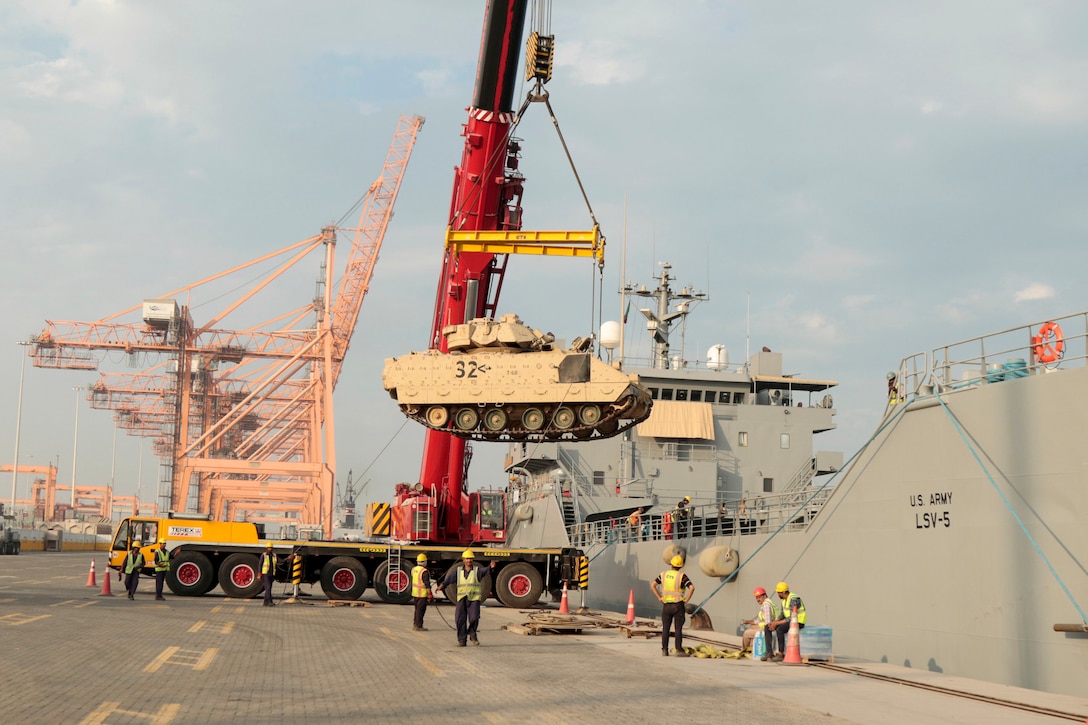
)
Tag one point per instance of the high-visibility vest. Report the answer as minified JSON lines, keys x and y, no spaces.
{"x":133,"y":562}
{"x":776,"y":612}
{"x":666,"y":524}
{"x":671,"y":586}
{"x":162,"y":560}
{"x":419,"y":589}
{"x":268,"y":563}
{"x":468,"y":586}
{"x":794,"y":600}
{"x":632,"y":521}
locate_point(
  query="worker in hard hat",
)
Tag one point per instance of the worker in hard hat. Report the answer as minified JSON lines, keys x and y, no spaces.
{"x":134,"y":562}
{"x":421,"y":592}
{"x":267,"y":567}
{"x":781,"y":625}
{"x":162,"y":565}
{"x":469,"y":580}
{"x":673,"y":589}
{"x":681,"y":516}
{"x":769,"y":611}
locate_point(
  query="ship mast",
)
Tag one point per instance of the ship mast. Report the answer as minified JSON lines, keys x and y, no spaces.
{"x":659,"y":322}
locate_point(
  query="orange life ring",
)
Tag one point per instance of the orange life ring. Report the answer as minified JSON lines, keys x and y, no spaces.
{"x":1049,"y":344}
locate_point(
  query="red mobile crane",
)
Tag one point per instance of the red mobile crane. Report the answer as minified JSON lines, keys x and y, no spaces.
{"x":487,"y":189}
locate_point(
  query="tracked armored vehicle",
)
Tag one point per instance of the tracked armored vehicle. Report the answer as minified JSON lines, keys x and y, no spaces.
{"x":503,"y":380}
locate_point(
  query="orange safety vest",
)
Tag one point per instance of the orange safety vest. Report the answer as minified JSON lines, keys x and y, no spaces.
{"x":666,"y":524}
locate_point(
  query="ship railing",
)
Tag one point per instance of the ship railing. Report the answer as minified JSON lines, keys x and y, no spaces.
{"x":996,"y":357}
{"x":762,"y":515}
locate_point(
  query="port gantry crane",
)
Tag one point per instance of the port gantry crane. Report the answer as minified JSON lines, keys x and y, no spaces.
{"x":246,"y":415}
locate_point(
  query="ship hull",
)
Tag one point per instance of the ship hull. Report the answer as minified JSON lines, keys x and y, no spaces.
{"x":954,"y":542}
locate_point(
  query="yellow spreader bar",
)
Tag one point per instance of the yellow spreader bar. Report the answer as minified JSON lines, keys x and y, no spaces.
{"x":545,"y":243}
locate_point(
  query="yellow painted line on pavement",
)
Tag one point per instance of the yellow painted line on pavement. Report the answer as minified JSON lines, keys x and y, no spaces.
{"x":198,"y":660}
{"x":75,"y":603}
{"x":163,"y":716}
{"x":224,"y":628}
{"x":430,"y":666}
{"x":17,"y":619}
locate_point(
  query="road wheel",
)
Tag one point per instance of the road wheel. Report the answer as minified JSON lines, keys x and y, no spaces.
{"x":519,"y":585}
{"x":393,"y":584}
{"x":532,"y":419}
{"x":343,"y":578}
{"x":564,"y":418}
{"x":190,"y":575}
{"x":438,"y":416}
{"x":239,"y":577}
{"x":589,"y":414}
{"x":495,"y":419}
{"x":466,"y":419}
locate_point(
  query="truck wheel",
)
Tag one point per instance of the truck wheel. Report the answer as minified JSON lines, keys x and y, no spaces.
{"x":519,"y":585}
{"x":238,"y":576}
{"x":190,"y":574}
{"x":393,"y":584}
{"x":343,"y":578}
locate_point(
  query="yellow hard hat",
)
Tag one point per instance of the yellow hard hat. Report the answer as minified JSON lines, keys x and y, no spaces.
{"x":782,"y":587}
{"x":268,"y":545}
{"x":687,"y":498}
{"x":162,"y":541}
{"x":467,"y":554}
{"x":422,"y":558}
{"x":677,"y":561}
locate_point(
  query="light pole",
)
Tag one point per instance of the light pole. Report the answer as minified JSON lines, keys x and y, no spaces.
{"x":75,"y":450}
{"x":113,"y":469}
{"x":18,"y":423}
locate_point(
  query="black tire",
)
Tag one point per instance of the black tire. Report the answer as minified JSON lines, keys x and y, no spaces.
{"x":239,"y":576}
{"x":343,"y":578}
{"x":190,"y":575}
{"x":519,"y":585}
{"x":393,"y":586}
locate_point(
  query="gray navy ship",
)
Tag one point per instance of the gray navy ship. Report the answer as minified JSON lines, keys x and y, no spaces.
{"x":953,"y":541}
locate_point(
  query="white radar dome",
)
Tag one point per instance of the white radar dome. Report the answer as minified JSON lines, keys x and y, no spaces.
{"x":717,"y":358}
{"x":610,"y":334}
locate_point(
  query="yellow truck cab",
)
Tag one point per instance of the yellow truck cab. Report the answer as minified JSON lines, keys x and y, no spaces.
{"x":194,"y":543}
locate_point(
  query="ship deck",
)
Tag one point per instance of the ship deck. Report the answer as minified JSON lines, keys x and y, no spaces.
{"x":72,"y":655}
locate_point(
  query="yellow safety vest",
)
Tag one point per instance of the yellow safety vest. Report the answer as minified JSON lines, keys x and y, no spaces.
{"x":134,"y":562}
{"x":788,"y":604}
{"x":162,"y":560}
{"x":268,"y":563}
{"x":467,"y":585}
{"x":671,"y":589}
{"x":418,"y":588}
{"x":776,"y":612}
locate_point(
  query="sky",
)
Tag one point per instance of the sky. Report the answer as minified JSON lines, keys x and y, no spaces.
{"x":850,"y":183}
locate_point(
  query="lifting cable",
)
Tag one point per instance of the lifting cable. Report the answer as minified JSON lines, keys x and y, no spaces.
{"x":1008,"y":505}
{"x":839,"y":474}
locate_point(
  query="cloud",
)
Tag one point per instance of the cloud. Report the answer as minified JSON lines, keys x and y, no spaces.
{"x":69,"y":80}
{"x":1034,"y":291}
{"x":600,"y":63}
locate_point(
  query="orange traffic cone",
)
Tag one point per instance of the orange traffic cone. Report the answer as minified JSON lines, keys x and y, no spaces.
{"x":631,"y":607}
{"x":564,"y":608}
{"x":793,"y":642}
{"x":106,"y":591}
{"x":90,"y":577}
